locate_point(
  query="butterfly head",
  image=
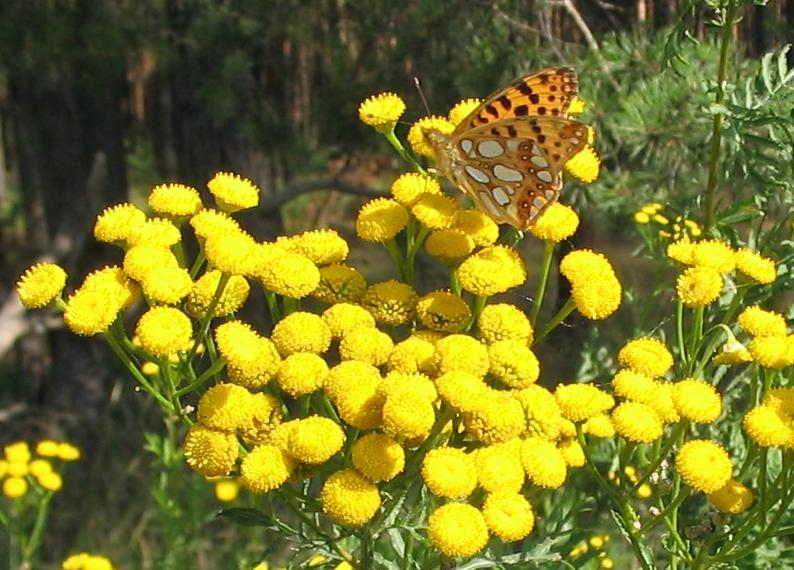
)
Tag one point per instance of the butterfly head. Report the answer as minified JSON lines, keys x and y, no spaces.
{"x":443,"y":149}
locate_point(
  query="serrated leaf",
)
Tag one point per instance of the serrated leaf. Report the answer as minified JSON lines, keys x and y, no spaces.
{"x":766,"y":71}
{"x":247,"y":517}
{"x":782,"y":63}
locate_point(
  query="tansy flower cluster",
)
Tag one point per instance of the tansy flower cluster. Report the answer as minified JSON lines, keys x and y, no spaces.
{"x":87,"y":561}
{"x":22,"y":467}
{"x":679,"y":228}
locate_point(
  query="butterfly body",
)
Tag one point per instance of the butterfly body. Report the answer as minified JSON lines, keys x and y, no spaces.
{"x":509,"y":152}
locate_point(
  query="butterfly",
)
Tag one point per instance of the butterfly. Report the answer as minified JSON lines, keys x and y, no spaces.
{"x":508,"y":154}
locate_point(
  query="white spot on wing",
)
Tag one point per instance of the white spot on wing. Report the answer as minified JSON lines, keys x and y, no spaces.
{"x":507,"y":174}
{"x":538,"y":203}
{"x":574,"y":140}
{"x":478,"y":175}
{"x":513,"y":144}
{"x":537,"y":150}
{"x":485,"y":199}
{"x":550,"y":194}
{"x":466,"y":145}
{"x":539,"y":161}
{"x":500,"y":196}
{"x":490,"y":149}
{"x":543,"y":175}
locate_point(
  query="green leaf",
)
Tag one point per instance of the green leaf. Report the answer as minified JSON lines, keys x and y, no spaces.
{"x":247,"y":517}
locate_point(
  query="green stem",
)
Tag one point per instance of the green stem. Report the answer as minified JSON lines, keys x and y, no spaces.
{"x":668,"y":445}
{"x":164,"y":402}
{"x":38,"y":529}
{"x":206,"y":319}
{"x":679,"y":330}
{"x":662,"y":516}
{"x":696,"y":333}
{"x":561,"y":315}
{"x":719,"y":118}
{"x":543,"y":279}
{"x":216,"y":367}
{"x":401,"y":150}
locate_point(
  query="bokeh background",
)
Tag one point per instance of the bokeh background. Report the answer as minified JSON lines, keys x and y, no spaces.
{"x":102,"y":99}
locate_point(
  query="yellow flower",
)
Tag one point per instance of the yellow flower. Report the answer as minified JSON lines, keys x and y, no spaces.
{"x":380,"y":219}
{"x":164,"y":331}
{"x":714,"y":254}
{"x":227,"y":490}
{"x":323,"y":247}
{"x":758,"y":322}
{"x":40,"y":285}
{"x":301,"y":332}
{"x":732,"y":352}
{"x":637,"y":422}
{"x":647,"y":356}
{"x":572,"y":452}
{"x":67,"y":452}
{"x":435,"y":211}
{"x":768,"y":427}
{"x":462,"y":109}
{"x":408,"y":415}
{"x":457,"y":530}
{"x":579,"y":402}
{"x":17,"y":452}
{"x":366,"y":344}
{"x":50,"y":481}
{"x":414,"y":354}
{"x":349,"y":498}
{"x":662,"y":403}
{"x":212,"y":222}
{"x":233,"y":253}
{"x":556,"y":223}
{"x":443,"y":311}
{"x":449,"y":472}
{"x":682,"y":251}
{"x":157,"y":232}
{"x":315,"y":440}
{"x":266,"y":417}
{"x":417,"y":133}
{"x":498,"y":470}
{"x":544,"y":464}
{"x":577,"y":106}
{"x":461,"y":352}
{"x":495,"y":417}
{"x":477,"y":225}
{"x":302,"y":373}
{"x":340,"y":283}
{"x":502,"y":321}
{"x":390,"y":302}
{"x":411,"y":186}
{"x":449,"y":245}
{"x":512,"y":363}
{"x":541,"y":412}
{"x":584,"y":165}
{"x":265,"y":468}
{"x":116,"y":223}
{"x":15,"y":487}
{"x":284,"y":272}
{"x":174,"y":200}
{"x":462,"y":390}
{"x":599,"y":426}
{"x":699,"y":286}
{"x":225,"y":407}
{"x":47,"y":448}
{"x":344,"y":318}
{"x":641,"y":217}
{"x":508,"y":516}
{"x":733,"y":498}
{"x":697,"y":400}
{"x":233,"y":193}
{"x":755,"y":266}
{"x":210,"y":452}
{"x":381,"y":111}
{"x":203,"y":292}
{"x":704,"y":465}
{"x":85,"y":561}
{"x":378,"y":457}
{"x":141,"y":260}
{"x":89,"y":312}
{"x":492,"y":270}
{"x":167,"y":285}
{"x":595,"y":289}
{"x":251,"y":360}
{"x":353,"y":387}
{"x":772,"y":351}
{"x":634,"y":386}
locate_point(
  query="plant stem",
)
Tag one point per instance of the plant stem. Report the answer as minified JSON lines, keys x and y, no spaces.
{"x":543,"y":279}
{"x":566,"y":310}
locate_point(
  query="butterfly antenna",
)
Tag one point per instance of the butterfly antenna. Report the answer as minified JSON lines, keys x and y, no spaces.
{"x":418,"y":85}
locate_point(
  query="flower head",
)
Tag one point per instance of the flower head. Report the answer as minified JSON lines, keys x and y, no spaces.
{"x":157,"y":232}
{"x":696,"y":400}
{"x":233,"y":253}
{"x":344,"y":318}
{"x":164,"y":331}
{"x":435,"y":211}
{"x":378,"y":457}
{"x":477,"y":225}
{"x":462,"y":352}
{"x":513,"y":363}
{"x":381,"y":111}
{"x":408,"y":415}
{"x":349,"y":499}
{"x":414,"y":354}
{"x":759,"y":322}
{"x":302,"y":373}
{"x":380,"y":219}
{"x":595,"y":289}
{"x":167,"y":285}
{"x":541,"y":412}
{"x":704,"y":465}
{"x":637,"y":422}
{"x":544,"y":464}
{"x":340,"y":283}
{"x":443,"y":311}
{"x":265,"y":468}
{"x":449,"y":472}
{"x":417,"y":137}
{"x":210,"y":452}
{"x":502,"y":321}
{"x":225,"y":407}
{"x":116,"y":223}
{"x":508,"y":516}
{"x":232,"y":192}
{"x":462,"y":109}
{"x":40,"y":284}
{"x":449,"y":245}
{"x":714,"y":254}
{"x":647,"y":356}
{"x":457,"y":530}
{"x":579,"y":402}
{"x":411,"y":186}
{"x":315,"y":440}
{"x":732,"y":498}
{"x":174,"y":200}
{"x":492,"y":270}
{"x":634,"y":386}
{"x":558,"y":222}
{"x":584,"y":165}
{"x":203,"y":292}
{"x":755,"y":266}
{"x":301,"y":331}
{"x":323,"y":247}
{"x":498,"y":469}
{"x":462,"y":390}
{"x":772,"y":351}
{"x":390,"y":302}
{"x":699,"y":286}
{"x":494,"y":417}
{"x":366,"y":344}
{"x":284,"y":272}
{"x":206,"y":223}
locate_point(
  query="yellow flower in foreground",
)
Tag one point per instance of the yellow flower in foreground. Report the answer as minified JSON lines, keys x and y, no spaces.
{"x":301,"y":331}
{"x":704,"y":465}
{"x":476,"y":225}
{"x":233,"y":253}
{"x":390,"y":302}
{"x":67,"y":452}
{"x":251,"y":360}
{"x":40,"y":284}
{"x":315,"y":440}
{"x":15,"y":487}
{"x":714,"y":254}
{"x":637,"y":422}
{"x":599,"y":426}
{"x":302,"y":373}
{"x":498,"y":469}
{"x":697,"y":400}
{"x":541,"y":412}
{"x":167,"y":285}
{"x":457,"y":530}
{"x":492,"y":270}
{"x":733,"y":498}
{"x":462,"y":109}
{"x":634,"y":386}
{"x":86,"y":561}
{"x":584,"y":165}
{"x":648,"y":356}
{"x":380,"y":219}
{"x":435,"y":211}
{"x":755,"y":266}
{"x":443,"y":311}
{"x":366,"y":344}
{"x":502,"y":321}
{"x":210,"y":452}
{"x":449,"y":472}
{"x":557,"y":223}
{"x":509,"y":516}
{"x":285,"y":272}
{"x":512,"y":363}
{"x":449,"y":245}
{"x":759,"y":322}
{"x":203,"y":291}
{"x":322,"y":246}
{"x":349,"y":498}
{"x":225,"y":407}
{"x":595,"y":289}
{"x":174,"y":200}
{"x":164,"y":331}
{"x":462,"y":352}
{"x":233,"y":193}
{"x":157,"y":232}
{"x":411,"y":186}
{"x":47,"y":448}
{"x":579,"y":402}
{"x":768,"y":427}
{"x":17,"y":452}
{"x":408,"y":415}
{"x":212,"y":222}
{"x":681,"y":251}
{"x":772,"y":351}
{"x":699,"y":286}
{"x":416,"y":134}
{"x":493,"y":417}
{"x":381,"y":111}
{"x":414,"y":354}
{"x":343,"y":318}
{"x":378,"y":457}
{"x":116,"y":223}
{"x":265,"y":468}
{"x":543,"y":462}
{"x":340,"y":283}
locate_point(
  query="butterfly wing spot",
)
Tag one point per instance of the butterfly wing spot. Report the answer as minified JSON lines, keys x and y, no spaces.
{"x":490,"y":148}
{"x":573,"y":140}
{"x":500,"y":196}
{"x":539,"y":161}
{"x":521,"y":111}
{"x":505,"y":102}
{"x":507,"y":174}
{"x":466,"y":145}
{"x":485,"y":200}
{"x":544,"y":175}
{"x":477,"y":174}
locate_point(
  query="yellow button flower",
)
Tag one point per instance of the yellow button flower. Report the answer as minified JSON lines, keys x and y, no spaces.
{"x":541,"y":411}
{"x":157,"y":232}
{"x":349,"y":499}
{"x":174,"y":200}
{"x":449,"y":472}
{"x":579,"y":402}
{"x":212,"y":222}
{"x":381,"y":111}
{"x":457,"y":530}
{"x":584,"y":165}
{"x":647,"y":356}
{"x":378,"y":457}
{"x":315,"y":440}
{"x":285,"y":272}
{"x":599,"y":426}
{"x":733,"y":498}
{"x":462,"y":352}
{"x":435,"y":211}
{"x":417,"y":133}
{"x":15,"y":487}
{"x":512,"y":363}
{"x":164,"y":331}
{"x":340,"y":283}
{"x":411,"y":186}
{"x":502,"y":321}
{"x":366,"y":344}
{"x":495,"y":417}
{"x":714,"y":254}
{"x":443,"y":311}
{"x":498,"y":469}
{"x":414,"y":354}
{"x":477,"y":225}
{"x":390,"y":302}
{"x":697,"y":400}
{"x":116,"y":223}
{"x":233,"y":253}
{"x":557,"y":223}
{"x":462,"y":390}
{"x":265,"y":468}
{"x":203,"y":292}
{"x":544,"y":464}
{"x":462,"y":109}
{"x":210,"y":452}
{"x":301,"y":332}
{"x":40,"y":284}
{"x":768,"y":427}
{"x":302,"y":373}
{"x":167,"y":285}
{"x":755,"y":266}
{"x":595,"y":289}
{"x":225,"y":407}
{"x":227,"y":490}
{"x":704,"y":465}
{"x":323,"y":246}
{"x":232,"y":192}
{"x":251,"y":360}
{"x":774,"y":352}
{"x":492,"y":270}
{"x":380,"y":219}
{"x":408,"y":415}
{"x":508,"y":516}
{"x":699,"y":286}
{"x":634,"y":386}
{"x":758,"y":322}
{"x":344,"y":318}
{"x":637,"y":422}
{"x":449,"y":245}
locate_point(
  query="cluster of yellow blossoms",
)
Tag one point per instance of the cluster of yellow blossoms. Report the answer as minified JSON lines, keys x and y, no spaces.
{"x":19,"y":468}
{"x":680,"y":228}
{"x":86,"y":561}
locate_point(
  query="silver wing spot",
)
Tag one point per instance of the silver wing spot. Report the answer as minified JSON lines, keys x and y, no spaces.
{"x":539,"y":161}
{"x":573,"y":140}
{"x":500,"y":196}
{"x":478,"y":175}
{"x":485,"y":199}
{"x":490,"y":149}
{"x":466,"y":145}
{"x":507,"y":174}
{"x":544,"y":175}
{"x":537,"y":150}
